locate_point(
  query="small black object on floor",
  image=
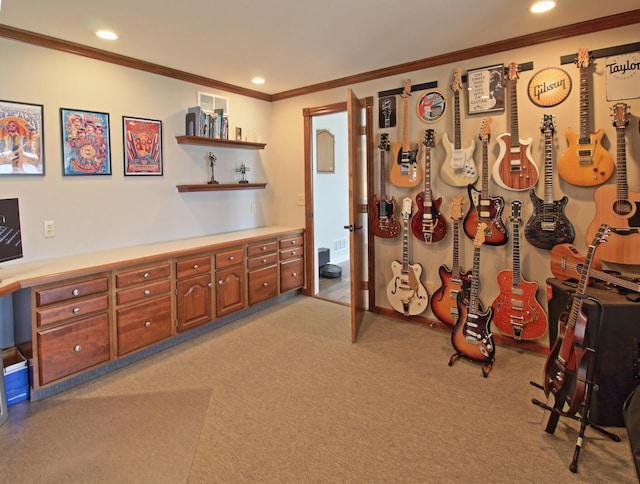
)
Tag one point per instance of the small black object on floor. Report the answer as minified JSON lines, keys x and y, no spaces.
{"x":330,"y":271}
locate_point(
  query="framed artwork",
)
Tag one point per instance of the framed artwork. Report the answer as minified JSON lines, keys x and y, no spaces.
{"x":486,"y":89}
{"x":431,"y":106}
{"x":325,"y":151}
{"x":21,"y":139}
{"x":142,"y":146}
{"x":85,"y":142}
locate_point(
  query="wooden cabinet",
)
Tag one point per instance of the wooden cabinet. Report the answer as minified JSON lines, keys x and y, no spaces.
{"x":230,"y":277}
{"x":291,"y":262}
{"x":262,"y":266}
{"x":193,"y":292}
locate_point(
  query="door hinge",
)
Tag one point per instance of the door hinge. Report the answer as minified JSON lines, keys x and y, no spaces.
{"x":363,"y":130}
{"x":364,"y":285}
{"x":363,"y":208}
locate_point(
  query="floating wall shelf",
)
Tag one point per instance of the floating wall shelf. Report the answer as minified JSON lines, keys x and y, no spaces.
{"x":225,"y":143}
{"x":220,"y":186}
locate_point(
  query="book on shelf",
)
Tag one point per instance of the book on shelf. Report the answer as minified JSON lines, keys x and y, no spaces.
{"x":205,"y":124}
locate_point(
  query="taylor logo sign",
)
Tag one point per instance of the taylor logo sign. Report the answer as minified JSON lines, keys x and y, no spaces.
{"x":549,"y":87}
{"x":623,"y":76}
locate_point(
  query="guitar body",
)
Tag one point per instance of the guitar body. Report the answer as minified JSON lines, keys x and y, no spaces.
{"x":428,"y":219}
{"x":405,"y":292}
{"x":444,"y":301}
{"x":585,"y":164}
{"x":488,"y":211}
{"x":515,"y":169}
{"x":567,"y":263}
{"x":385,"y":224}
{"x":458,"y":169}
{"x":405,"y":171}
{"x":548,"y":225}
{"x":471,"y":335}
{"x":516,"y":311}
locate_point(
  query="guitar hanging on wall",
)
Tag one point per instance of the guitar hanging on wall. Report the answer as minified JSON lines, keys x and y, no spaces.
{"x":515,"y":168}
{"x":384,"y":223}
{"x":585,"y":162}
{"x":405,"y":170}
{"x":428,"y":224}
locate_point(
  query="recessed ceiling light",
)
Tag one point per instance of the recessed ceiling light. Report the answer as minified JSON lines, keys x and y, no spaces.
{"x":106,"y":34}
{"x":543,"y":6}
{"x":257,"y":80}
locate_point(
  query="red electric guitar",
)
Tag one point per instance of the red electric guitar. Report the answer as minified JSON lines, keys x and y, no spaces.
{"x":405,"y":169}
{"x":384,"y":223}
{"x":428,"y":224}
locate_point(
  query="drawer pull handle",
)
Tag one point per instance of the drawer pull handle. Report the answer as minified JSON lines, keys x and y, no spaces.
{"x":147,"y":324}
{"x":77,"y":348}
{"x":264,"y":261}
{"x":293,"y":253}
{"x":265,"y":284}
{"x":220,"y":282}
{"x":209,"y":284}
{"x":147,"y":292}
{"x":264,"y":247}
{"x":146,"y":275}
{"x":76,"y":310}
{"x":196,"y":266}
{"x":294,"y":274}
{"x":76,"y":292}
{"x":231,"y":257}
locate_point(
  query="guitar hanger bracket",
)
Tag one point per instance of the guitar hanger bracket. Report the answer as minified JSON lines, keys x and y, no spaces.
{"x":599,"y":53}
{"x":414,"y":88}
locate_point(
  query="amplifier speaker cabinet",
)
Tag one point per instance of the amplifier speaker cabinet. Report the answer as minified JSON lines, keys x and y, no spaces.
{"x":616,"y":370}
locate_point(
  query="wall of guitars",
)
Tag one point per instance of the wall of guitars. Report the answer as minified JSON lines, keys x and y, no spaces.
{"x":500,"y":178}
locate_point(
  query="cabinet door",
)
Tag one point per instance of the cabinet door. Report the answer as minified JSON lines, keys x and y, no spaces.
{"x":230,"y":290}
{"x":194,"y":301}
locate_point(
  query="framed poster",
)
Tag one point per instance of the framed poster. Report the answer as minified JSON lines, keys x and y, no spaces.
{"x":486,"y":89}
{"x":142,"y":146}
{"x":431,"y":106}
{"x":21,"y":139}
{"x":85,"y":142}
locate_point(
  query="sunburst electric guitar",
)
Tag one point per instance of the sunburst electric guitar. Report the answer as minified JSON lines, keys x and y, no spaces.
{"x":405,"y":169}
{"x":405,"y":292}
{"x":617,"y":207}
{"x":458,"y":169}
{"x":516,"y":311}
{"x":384,"y":224}
{"x":484,"y":207}
{"x":428,"y":224}
{"x":515,"y":168}
{"x":585,"y":162}
{"x":548,"y":224}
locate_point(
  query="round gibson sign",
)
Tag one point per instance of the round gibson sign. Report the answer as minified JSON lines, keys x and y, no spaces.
{"x":549,"y":87}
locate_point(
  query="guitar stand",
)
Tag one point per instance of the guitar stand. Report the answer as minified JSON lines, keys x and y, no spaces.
{"x":486,"y":367}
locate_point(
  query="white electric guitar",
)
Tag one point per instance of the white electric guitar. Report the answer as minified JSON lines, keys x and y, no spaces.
{"x":405,"y":292}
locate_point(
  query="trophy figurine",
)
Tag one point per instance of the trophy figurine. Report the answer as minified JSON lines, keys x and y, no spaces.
{"x":243,"y":171}
{"x":212,"y":164}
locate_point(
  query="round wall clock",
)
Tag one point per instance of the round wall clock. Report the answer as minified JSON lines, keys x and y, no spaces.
{"x":431,"y":106}
{"x":549,"y":87}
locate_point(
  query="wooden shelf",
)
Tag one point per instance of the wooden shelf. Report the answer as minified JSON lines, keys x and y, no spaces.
{"x":205,"y":187}
{"x":227,"y":143}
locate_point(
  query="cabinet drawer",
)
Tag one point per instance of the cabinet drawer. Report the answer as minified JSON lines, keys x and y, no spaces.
{"x":291,"y":253}
{"x":142,"y":324}
{"x":297,"y":241}
{"x":229,"y":258}
{"x":73,"y":347}
{"x":291,"y":275}
{"x":125,"y":279}
{"x":143,"y":292}
{"x":72,"y":310}
{"x":263,"y":284}
{"x":193,"y":266}
{"x":71,"y":291}
{"x":262,"y":248}
{"x":264,"y":261}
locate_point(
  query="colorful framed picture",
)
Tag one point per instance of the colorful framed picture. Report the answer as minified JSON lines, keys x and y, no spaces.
{"x":86,"y":147}
{"x":431,"y":106}
{"x":21,"y":139}
{"x":486,"y":89}
{"x":142,"y":146}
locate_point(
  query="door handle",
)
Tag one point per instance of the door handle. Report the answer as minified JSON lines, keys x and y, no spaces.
{"x":352,"y":227}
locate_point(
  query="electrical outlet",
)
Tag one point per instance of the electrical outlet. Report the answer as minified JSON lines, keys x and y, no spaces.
{"x":301,"y":199}
{"x":49,"y":228}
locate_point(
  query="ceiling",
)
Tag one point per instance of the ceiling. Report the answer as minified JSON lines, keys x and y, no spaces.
{"x":292,"y":43}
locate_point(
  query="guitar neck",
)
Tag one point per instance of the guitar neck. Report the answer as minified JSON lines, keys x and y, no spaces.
{"x":585,"y":107}
{"x":405,"y":245}
{"x":516,"y":275}
{"x":383,"y":171}
{"x":455,"y":270}
{"x":485,"y":169}
{"x":548,"y":169}
{"x":622,"y":186}
{"x":406,"y":144}
{"x":475,"y":282}
{"x":427,"y":177}
{"x":513,"y":105}
{"x":457,"y":143}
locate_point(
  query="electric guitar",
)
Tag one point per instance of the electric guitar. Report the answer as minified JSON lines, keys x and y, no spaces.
{"x":515,"y":168}
{"x":484,"y":207}
{"x":405,"y":171}
{"x":405,"y":292}
{"x":585,"y":162}
{"x":458,"y":169}
{"x":517,"y":312}
{"x":428,"y":224}
{"x":617,"y":207}
{"x":384,"y":223}
{"x":444,"y":301}
{"x":548,"y":224}
{"x":471,"y":335}
{"x":568,"y":361}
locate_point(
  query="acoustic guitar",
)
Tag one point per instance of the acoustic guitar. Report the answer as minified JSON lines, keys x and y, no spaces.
{"x":616,"y":206}
{"x":384,"y":223}
{"x":585,"y":162}
{"x":515,"y":168}
{"x":428,"y":224}
{"x":548,"y":224}
{"x":405,"y":170}
{"x":517,"y":312}
{"x":458,"y":169}
{"x":405,"y":291}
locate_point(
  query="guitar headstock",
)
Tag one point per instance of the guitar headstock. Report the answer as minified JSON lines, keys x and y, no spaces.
{"x":516,"y":212}
{"x":547,"y":126}
{"x":406,"y":92}
{"x":600,"y":237}
{"x":456,"y":85}
{"x":429,"y":137}
{"x":620,"y":115}
{"x":406,"y":208}
{"x":485,"y":129}
{"x":384,"y":142}
{"x":513,"y":71}
{"x":480,"y":235}
{"x":584,"y":58}
{"x":456,"y":208}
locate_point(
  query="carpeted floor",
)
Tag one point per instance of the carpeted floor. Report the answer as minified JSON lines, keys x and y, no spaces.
{"x":284,"y":396}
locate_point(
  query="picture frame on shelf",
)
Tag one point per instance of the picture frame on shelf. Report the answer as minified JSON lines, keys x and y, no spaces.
{"x":142,"y":145}
{"x":86,"y":146}
{"x":21,"y":138}
{"x":486,"y":89}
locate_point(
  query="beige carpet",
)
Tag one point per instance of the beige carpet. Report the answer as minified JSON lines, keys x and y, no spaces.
{"x":284,"y":396}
